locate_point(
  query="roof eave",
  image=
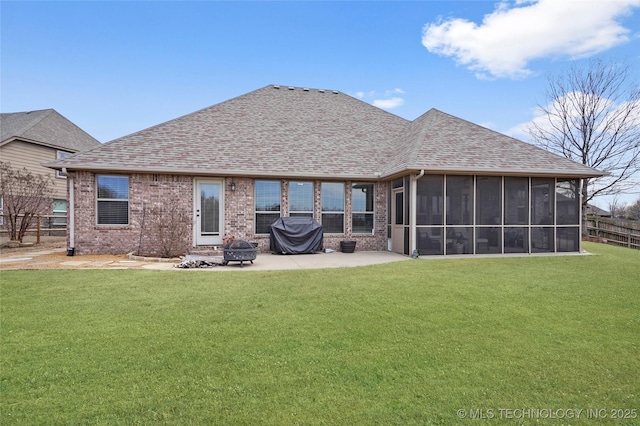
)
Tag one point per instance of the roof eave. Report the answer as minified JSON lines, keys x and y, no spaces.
{"x":57,"y":165}
{"x":494,"y":172}
{"x":35,"y":142}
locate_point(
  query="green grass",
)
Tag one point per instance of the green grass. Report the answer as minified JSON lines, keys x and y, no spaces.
{"x":403,"y":343}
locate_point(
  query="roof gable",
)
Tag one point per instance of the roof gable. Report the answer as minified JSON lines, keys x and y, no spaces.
{"x":439,"y":142}
{"x":45,"y":127}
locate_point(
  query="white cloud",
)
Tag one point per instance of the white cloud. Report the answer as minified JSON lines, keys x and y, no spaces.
{"x":395,"y":91}
{"x":388,"y":103}
{"x":515,"y":34}
{"x":384,"y":100}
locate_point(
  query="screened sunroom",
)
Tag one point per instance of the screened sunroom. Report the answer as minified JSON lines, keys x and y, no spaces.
{"x":464,"y":214}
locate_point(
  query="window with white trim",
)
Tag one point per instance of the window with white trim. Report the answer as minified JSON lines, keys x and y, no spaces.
{"x":332,"y":200}
{"x":301,"y":199}
{"x":112,"y":198}
{"x":61,"y":155}
{"x":59,"y":213}
{"x":362,"y":197}
{"x":267,"y":205}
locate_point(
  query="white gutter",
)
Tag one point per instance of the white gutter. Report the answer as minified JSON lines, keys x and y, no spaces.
{"x":412,"y":213}
{"x":70,"y":211}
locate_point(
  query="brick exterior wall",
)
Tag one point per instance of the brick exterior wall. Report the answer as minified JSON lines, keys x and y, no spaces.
{"x":148,"y":191}
{"x":244,"y":227}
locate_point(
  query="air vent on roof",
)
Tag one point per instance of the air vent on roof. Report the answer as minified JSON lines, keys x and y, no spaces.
{"x":335,"y":92}
{"x":291,"y":87}
{"x":306,"y":89}
{"x":321,"y":90}
{"x":276,"y":87}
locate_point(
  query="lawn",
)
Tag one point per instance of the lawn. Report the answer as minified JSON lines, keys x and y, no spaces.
{"x":529,"y":340}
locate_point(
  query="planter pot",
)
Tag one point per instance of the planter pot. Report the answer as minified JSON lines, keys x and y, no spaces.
{"x":347,"y":246}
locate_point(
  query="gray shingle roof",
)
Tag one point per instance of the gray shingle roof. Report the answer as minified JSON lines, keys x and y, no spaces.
{"x":45,"y":127}
{"x":439,"y":142}
{"x":295,"y":132}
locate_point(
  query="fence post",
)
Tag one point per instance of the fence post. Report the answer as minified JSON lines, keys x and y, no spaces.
{"x":38,"y":229}
{"x":629,"y":237}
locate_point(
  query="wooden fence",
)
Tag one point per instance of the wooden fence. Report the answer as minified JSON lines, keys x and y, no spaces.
{"x":616,"y":232}
{"x":43,"y":225}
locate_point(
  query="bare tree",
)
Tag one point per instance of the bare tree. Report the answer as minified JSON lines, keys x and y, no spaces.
{"x":24,"y":195}
{"x":616,"y":208}
{"x":165,"y":230}
{"x":592,"y":116}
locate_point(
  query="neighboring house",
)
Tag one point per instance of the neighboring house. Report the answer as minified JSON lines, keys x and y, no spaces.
{"x":29,"y":139}
{"x":592,"y":210}
{"x":437,"y":184}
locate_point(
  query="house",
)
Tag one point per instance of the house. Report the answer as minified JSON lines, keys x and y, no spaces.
{"x":592,"y":210}
{"x":29,"y":139}
{"x":438,"y":184}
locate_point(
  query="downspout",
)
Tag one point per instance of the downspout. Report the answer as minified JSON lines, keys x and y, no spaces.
{"x":413,"y":214}
{"x":70,"y":210}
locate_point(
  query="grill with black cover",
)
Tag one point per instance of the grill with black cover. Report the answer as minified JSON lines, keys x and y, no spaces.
{"x":296,"y":235}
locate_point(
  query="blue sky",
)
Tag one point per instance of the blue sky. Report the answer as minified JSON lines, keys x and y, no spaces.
{"x":114,"y":68}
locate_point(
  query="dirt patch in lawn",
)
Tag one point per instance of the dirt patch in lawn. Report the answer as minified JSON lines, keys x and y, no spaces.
{"x":51,"y":253}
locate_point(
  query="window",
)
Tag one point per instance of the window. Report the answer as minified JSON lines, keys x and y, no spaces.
{"x":59,"y":213}
{"x":301,"y":199}
{"x":516,"y":240}
{"x":489,"y":200}
{"x":399,"y":208}
{"x":459,"y":200}
{"x":362,"y":197}
{"x":332,"y":199}
{"x":516,"y":201}
{"x":61,"y":155}
{"x":267,"y":204}
{"x":542,"y":201}
{"x":113,"y":200}
{"x":568,"y":202}
{"x":568,"y":239}
{"x":429,"y":201}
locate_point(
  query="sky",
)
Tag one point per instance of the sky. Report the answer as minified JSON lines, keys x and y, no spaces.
{"x":117,"y":67}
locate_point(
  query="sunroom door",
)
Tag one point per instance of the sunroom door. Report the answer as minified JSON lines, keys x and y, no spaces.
{"x":397,"y":221}
{"x":208,"y":211}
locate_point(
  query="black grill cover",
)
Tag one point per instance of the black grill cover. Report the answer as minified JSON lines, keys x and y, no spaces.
{"x":296,"y":235}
